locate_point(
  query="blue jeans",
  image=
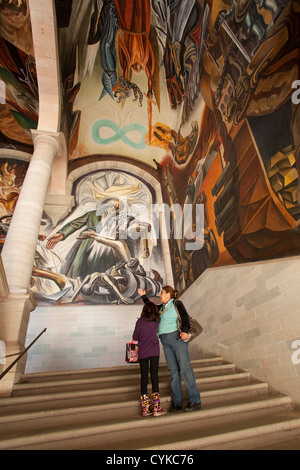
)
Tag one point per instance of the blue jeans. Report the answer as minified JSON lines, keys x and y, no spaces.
{"x":179,"y":364}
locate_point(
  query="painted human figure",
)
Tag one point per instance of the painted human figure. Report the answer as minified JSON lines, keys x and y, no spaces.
{"x":134,"y":48}
{"x":110,"y":221}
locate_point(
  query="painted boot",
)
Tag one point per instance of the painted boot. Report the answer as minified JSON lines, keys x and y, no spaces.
{"x":157,"y":409}
{"x":145,"y":402}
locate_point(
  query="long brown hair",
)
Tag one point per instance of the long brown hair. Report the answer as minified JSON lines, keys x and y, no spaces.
{"x":169,"y":290}
{"x":150,"y":312}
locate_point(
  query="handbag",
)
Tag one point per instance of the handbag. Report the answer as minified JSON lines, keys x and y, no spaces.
{"x":195,"y":328}
{"x":131,"y":354}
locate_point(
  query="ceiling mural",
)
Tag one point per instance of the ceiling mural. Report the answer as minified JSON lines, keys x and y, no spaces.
{"x":134,"y":67}
{"x":19,"y":93}
{"x":203,"y":92}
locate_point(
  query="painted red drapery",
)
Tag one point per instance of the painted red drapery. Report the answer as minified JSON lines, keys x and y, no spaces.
{"x":135,"y":51}
{"x":134,"y":16}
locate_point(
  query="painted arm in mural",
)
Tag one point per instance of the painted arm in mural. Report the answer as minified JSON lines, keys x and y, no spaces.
{"x":52,"y":241}
{"x":119,"y":246}
{"x":88,"y":220}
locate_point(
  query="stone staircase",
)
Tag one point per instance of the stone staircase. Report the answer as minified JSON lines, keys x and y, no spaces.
{"x":98,"y":409}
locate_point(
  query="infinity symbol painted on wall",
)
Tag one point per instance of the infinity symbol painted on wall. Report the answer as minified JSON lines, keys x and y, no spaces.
{"x":120,"y":134}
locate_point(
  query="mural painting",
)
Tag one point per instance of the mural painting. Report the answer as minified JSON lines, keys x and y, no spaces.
{"x":101,"y":253}
{"x":131,"y":74}
{"x":203,"y":92}
{"x":19,"y":105}
{"x":12,"y":173}
{"x":245,"y":167}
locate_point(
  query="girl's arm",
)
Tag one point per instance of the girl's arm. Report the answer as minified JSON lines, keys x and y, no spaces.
{"x":136,"y":335}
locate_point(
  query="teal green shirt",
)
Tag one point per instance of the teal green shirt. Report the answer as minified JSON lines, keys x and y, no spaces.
{"x":168,"y":319}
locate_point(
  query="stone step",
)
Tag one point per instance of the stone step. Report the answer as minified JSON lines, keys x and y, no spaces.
{"x":100,"y":409}
{"x":108,"y":371}
{"x":103,"y":394}
{"x":114,"y":381}
{"x":290,"y":441}
{"x":114,"y":405}
{"x":275,"y":432}
{"x":98,"y":431}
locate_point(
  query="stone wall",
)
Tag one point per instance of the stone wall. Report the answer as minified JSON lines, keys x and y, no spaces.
{"x":80,"y":337}
{"x":251,"y":316}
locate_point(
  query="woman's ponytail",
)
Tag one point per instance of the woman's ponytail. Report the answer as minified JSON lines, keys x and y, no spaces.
{"x":173,"y":292}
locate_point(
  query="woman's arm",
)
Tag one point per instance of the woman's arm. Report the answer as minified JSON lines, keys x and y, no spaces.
{"x":145,"y":298}
{"x":185,"y":322}
{"x":142,"y":293}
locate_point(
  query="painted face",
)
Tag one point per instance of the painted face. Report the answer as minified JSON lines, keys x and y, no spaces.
{"x":164,"y":296}
{"x":13,"y":13}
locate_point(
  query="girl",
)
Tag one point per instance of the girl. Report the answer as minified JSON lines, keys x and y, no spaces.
{"x":145,"y":333}
{"x":176,"y":349}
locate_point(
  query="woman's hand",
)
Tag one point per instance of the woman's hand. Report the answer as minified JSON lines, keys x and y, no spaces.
{"x":141,"y":292}
{"x":184,"y":336}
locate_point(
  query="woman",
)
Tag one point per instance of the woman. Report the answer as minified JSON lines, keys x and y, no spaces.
{"x":176,"y":349}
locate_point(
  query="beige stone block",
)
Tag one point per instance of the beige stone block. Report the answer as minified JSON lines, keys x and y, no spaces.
{"x":270,"y":361}
{"x":265,"y":373}
{"x":263,"y":340}
{"x":285,"y":358}
{"x":258,"y":352}
{"x":273,"y":314}
{"x":283,"y":334}
{"x":276,"y":348}
{"x":283,"y":371}
{"x":270,"y":327}
{"x":248,"y":316}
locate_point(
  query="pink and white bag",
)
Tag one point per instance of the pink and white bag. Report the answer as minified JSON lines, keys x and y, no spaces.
{"x":131,"y":355}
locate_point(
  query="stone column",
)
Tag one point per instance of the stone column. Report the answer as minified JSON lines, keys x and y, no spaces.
{"x":19,"y":251}
{"x":20,"y":243}
{"x":14,"y":318}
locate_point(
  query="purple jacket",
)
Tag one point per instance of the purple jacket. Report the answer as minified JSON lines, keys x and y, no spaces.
{"x":146,"y":334}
